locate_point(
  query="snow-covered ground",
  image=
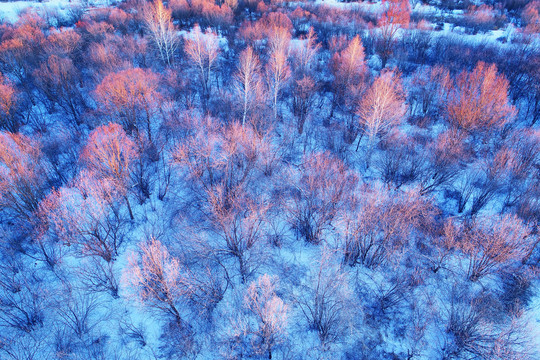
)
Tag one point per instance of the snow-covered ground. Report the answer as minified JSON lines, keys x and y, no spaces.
{"x":10,"y":11}
{"x":534,"y":313}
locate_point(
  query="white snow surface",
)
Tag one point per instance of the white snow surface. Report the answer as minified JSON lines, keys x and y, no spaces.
{"x":10,"y":11}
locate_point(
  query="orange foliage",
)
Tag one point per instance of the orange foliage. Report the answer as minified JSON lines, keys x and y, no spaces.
{"x":115,"y":53}
{"x":119,"y":18}
{"x":300,"y":16}
{"x":21,"y":47}
{"x":348,"y":65}
{"x":397,"y":13}
{"x":481,"y":16}
{"x":94,"y":30}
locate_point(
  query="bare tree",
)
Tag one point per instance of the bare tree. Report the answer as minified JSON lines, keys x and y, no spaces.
{"x":99,"y":275}
{"x":443,"y":245}
{"x":87,"y":216}
{"x":514,"y":165}
{"x":386,"y":294}
{"x":305,"y":85}
{"x":248,"y":81}
{"x":230,"y":157}
{"x":22,"y":50}
{"x":63,"y":42}
{"x":532,"y":88}
{"x":477,"y":186}
{"x":473,"y":331}
{"x":221,"y":165}
{"x":492,"y":243}
{"x":59,"y":79}
{"x":531,"y":16}
{"x":396,"y":16}
{"x":80,"y":312}
{"x":323,"y":191}
{"x":23,"y":176}
{"x":239,"y":220}
{"x":23,"y":346}
{"x":304,"y":91}
{"x":24,"y":298}
{"x":446,"y":156}
{"x":109,"y":155}
{"x":349,"y":69}
{"x":306,"y":54}
{"x":207,"y":286}
{"x":479,"y":100}
{"x":131,"y":96}
{"x":203,"y":51}
{"x":382,"y":226}
{"x":8,"y":103}
{"x":401,"y":162}
{"x":428,"y":91}
{"x":270,"y":313}
{"x":154,"y":278}
{"x":278,"y":70}
{"x":159,"y":23}
{"x":326,"y":300}
{"x":383,"y":106}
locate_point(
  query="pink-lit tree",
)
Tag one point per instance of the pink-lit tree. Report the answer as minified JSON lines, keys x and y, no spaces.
{"x":109,"y":155}
{"x":132,"y":97}
{"x":397,"y":15}
{"x":203,"y":51}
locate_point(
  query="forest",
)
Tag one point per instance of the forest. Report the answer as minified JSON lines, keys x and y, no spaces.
{"x":265,"y":179}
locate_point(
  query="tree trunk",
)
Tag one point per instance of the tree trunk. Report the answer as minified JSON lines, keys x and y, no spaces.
{"x":129,"y":208}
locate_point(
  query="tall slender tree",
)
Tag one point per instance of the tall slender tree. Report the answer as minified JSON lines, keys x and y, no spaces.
{"x":162,"y":31}
{"x":203,"y":51}
{"x":248,"y":81}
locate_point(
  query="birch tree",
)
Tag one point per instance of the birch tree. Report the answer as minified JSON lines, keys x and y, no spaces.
{"x":203,"y":51}
{"x":278,"y":69}
{"x":248,"y":81}
{"x":162,"y":31}
{"x":383,"y":106}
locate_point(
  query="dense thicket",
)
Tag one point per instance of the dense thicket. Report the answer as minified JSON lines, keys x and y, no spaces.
{"x":262,"y":179}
